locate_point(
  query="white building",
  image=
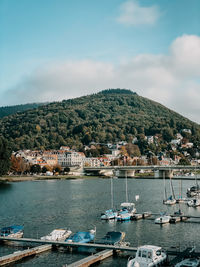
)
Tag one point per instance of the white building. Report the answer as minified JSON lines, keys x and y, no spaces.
{"x":70,"y":158}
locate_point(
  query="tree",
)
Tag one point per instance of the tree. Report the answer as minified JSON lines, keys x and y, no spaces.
{"x":5,"y":154}
{"x":57,"y":168}
{"x":35,"y":168}
{"x":18,"y":165}
{"x":133,"y":150}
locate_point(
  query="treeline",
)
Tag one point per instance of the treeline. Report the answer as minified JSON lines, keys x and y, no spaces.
{"x":106,"y":117}
{"x":9,"y":110}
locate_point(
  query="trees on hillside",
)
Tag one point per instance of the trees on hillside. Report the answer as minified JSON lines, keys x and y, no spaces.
{"x":5,"y":154}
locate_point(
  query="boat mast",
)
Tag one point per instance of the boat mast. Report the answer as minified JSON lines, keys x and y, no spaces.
{"x":111,"y":188}
{"x":165,"y":192}
{"x":126,"y":186}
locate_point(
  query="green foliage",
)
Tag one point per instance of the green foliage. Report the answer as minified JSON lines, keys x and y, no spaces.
{"x":5,"y":155}
{"x":35,"y":168}
{"x":8,"y":110}
{"x":109,"y":116}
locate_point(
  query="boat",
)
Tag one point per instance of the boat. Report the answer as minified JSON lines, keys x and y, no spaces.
{"x":127,"y":211}
{"x":171,"y":200}
{"x":82,"y":237}
{"x":193,"y":191}
{"x":148,"y":256}
{"x":112,"y":238}
{"x":190,"y":262}
{"x":15,"y":231}
{"x":57,"y":235}
{"x":163,"y":219}
{"x":111,"y":213}
{"x":195,"y":202}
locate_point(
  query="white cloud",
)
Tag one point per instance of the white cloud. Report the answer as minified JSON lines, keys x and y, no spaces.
{"x":172,"y":79}
{"x":132,"y":14}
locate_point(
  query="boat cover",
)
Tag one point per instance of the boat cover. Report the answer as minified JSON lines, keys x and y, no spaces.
{"x":112,"y":237}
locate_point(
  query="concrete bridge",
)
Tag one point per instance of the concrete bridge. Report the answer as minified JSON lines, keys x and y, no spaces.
{"x":129,"y":171}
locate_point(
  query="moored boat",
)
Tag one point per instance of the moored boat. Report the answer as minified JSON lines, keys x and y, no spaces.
{"x":112,"y":238}
{"x":109,"y":215}
{"x":148,"y":256}
{"x":193,"y":191}
{"x":15,"y":231}
{"x":169,"y":201}
{"x":163,"y":219}
{"x":82,"y":237}
{"x":127,"y":211}
{"x":57,"y":235}
{"x":190,"y":262}
{"x":195,"y":202}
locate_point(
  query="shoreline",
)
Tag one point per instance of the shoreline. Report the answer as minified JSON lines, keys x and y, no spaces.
{"x":16,"y":178}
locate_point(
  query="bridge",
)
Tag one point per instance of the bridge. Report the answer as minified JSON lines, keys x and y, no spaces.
{"x":129,"y":171}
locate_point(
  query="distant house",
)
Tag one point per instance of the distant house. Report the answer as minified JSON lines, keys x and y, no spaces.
{"x":186,"y":131}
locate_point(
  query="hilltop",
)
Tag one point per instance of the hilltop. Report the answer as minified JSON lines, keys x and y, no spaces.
{"x":108,"y":116}
{"x":9,"y":110}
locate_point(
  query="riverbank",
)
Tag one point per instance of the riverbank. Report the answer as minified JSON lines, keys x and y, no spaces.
{"x":41,"y":178}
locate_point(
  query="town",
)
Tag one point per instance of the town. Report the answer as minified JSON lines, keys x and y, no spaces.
{"x":179,"y":151}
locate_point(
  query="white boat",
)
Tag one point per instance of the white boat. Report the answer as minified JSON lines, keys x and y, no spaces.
{"x":57,"y":235}
{"x":148,"y":256}
{"x":170,"y":200}
{"x":190,"y":262}
{"x":195,"y":202}
{"x":163,"y":219}
{"x":127,"y":211}
{"x":15,"y":231}
{"x":111,"y":213}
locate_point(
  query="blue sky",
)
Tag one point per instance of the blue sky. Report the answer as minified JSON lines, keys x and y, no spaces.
{"x":57,"y":49}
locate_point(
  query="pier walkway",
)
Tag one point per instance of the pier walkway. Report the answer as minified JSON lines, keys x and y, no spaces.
{"x":18,"y":255}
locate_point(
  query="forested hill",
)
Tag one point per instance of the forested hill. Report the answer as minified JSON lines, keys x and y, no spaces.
{"x":108,"y":116}
{"x":9,"y":110}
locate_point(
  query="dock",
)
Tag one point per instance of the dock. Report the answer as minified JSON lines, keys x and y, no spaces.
{"x":18,"y":255}
{"x":106,"y":251}
{"x":92,"y":259}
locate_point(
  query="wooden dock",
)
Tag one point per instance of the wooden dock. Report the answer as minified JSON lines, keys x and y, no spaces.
{"x":92,"y":259}
{"x":70,"y":244}
{"x":18,"y":255}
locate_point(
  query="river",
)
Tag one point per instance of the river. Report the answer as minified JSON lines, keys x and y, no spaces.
{"x":42,"y":206}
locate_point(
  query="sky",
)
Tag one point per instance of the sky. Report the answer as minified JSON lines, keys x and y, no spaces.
{"x":52,"y":50}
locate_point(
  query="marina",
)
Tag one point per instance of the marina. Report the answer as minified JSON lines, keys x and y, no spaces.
{"x":74,"y":209}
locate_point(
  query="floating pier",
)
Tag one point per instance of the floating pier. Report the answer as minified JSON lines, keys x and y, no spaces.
{"x":18,"y":255}
{"x":92,"y":259}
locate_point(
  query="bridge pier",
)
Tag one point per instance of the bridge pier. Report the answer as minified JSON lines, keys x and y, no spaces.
{"x":168,"y":174}
{"x":125,"y":173}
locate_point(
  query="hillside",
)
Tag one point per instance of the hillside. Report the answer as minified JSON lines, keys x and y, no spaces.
{"x":108,"y":116}
{"x":9,"y":110}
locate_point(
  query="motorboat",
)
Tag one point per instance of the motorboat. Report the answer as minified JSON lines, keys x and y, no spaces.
{"x":57,"y":235}
{"x":190,"y":262}
{"x":193,"y":191}
{"x":195,"y":202}
{"x":148,"y":256}
{"x":15,"y":231}
{"x":109,"y":214}
{"x":112,"y":238}
{"x":127,"y":211}
{"x":163,"y":219}
{"x":169,"y":201}
{"x":82,"y":237}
